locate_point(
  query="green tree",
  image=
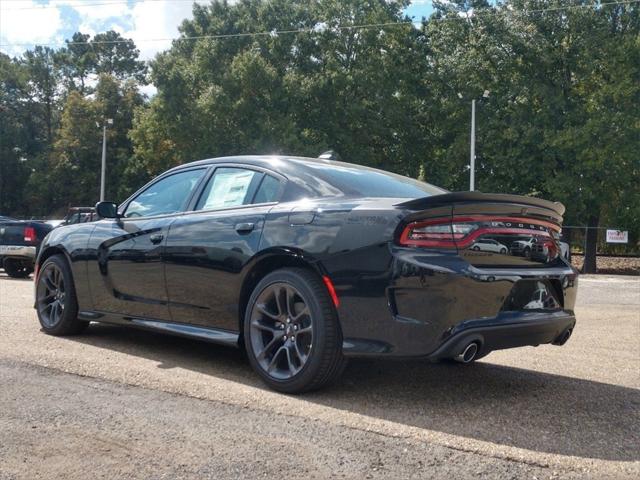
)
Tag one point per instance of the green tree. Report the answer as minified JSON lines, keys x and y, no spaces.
{"x":77,"y":150}
{"x":562,"y":110}
{"x":117,"y":56}
{"x":14,"y":136}
{"x":334,"y":86}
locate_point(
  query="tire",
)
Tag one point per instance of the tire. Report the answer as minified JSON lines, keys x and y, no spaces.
{"x":527,"y":252}
{"x":17,"y":268}
{"x":304,"y":353}
{"x":503,"y":251}
{"x":56,"y":301}
{"x":475,"y":249}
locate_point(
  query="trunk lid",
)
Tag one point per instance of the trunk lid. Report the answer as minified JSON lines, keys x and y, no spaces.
{"x":487,"y":230}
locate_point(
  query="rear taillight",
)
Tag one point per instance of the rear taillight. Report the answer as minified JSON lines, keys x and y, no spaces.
{"x":460,"y":232}
{"x":30,"y":234}
{"x":435,"y":233}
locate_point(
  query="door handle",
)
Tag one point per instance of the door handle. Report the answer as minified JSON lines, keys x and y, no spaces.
{"x":245,"y":227}
{"x":156,"y":238}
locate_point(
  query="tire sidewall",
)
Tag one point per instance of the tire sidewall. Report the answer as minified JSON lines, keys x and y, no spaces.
{"x":313,"y":364}
{"x":70,"y":313}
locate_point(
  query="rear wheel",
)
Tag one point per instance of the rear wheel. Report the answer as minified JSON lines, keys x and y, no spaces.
{"x":17,"y":268}
{"x":56,"y":301}
{"x":291,"y":332}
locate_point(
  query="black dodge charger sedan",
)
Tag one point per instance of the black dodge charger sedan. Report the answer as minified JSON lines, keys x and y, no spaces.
{"x":306,"y":262}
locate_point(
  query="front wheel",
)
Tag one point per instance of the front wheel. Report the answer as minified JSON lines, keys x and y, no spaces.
{"x":56,"y":302}
{"x":291,"y":332}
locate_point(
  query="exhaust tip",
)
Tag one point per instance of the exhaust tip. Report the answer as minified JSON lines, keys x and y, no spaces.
{"x":468,"y":354}
{"x":563,"y":337}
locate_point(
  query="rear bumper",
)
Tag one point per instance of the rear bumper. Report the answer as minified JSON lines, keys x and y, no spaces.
{"x":507,"y":330}
{"x":426,"y":304}
{"x":18,"y":251}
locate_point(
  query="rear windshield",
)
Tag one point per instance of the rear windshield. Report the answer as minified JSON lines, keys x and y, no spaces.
{"x":356,"y":180}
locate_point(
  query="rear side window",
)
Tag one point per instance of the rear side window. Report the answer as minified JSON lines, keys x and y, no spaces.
{"x":229,"y":187}
{"x":268,"y":190}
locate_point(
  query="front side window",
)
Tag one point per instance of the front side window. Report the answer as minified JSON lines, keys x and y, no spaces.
{"x":229,"y":187}
{"x":166,"y":196}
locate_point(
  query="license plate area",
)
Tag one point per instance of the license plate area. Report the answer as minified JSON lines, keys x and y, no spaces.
{"x":534,"y":295}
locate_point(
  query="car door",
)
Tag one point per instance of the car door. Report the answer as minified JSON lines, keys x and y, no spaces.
{"x":207,"y":248}
{"x":128,"y":277}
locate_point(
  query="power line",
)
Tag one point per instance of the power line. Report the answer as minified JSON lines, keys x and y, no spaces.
{"x":317,"y":29}
{"x":80,"y":4}
{"x":70,"y":3}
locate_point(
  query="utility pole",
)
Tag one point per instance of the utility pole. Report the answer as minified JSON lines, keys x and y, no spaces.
{"x":103,"y":174}
{"x":472,"y":160}
{"x":472,"y":148}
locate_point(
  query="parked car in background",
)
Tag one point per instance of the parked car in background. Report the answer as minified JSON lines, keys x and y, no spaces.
{"x":544,"y":249}
{"x":523,"y":247}
{"x":19,"y":244}
{"x":489,"y":245}
{"x":306,"y":262}
{"x":80,"y":215}
{"x":75,"y":215}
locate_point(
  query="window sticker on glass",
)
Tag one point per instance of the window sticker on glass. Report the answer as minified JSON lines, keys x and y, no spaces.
{"x":229,"y":188}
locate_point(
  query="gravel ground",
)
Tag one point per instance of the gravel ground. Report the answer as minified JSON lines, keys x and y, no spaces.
{"x":120,"y":403}
{"x":611,"y":265}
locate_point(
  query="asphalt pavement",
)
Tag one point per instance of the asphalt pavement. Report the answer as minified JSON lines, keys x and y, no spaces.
{"x":121,"y":403}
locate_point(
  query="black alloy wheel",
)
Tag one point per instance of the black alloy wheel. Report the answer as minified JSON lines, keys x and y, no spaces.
{"x":56,"y":302}
{"x":291,"y":332}
{"x":281,"y":330}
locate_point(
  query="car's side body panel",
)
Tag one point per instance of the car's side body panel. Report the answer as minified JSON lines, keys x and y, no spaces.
{"x":125,"y":268}
{"x":205,"y":255}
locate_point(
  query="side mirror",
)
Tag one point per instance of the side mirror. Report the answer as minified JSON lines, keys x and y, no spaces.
{"x":107,"y":209}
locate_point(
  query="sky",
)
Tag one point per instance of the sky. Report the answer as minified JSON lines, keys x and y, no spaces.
{"x":25,"y":23}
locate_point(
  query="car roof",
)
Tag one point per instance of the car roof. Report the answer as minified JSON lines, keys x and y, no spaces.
{"x":319,"y":177}
{"x":271,"y":162}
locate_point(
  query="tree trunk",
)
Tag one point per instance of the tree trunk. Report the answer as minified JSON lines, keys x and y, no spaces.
{"x":591,"y":243}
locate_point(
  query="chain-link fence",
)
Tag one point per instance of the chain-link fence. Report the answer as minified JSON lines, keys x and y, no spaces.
{"x":613,"y":258}
{"x":576,"y":236}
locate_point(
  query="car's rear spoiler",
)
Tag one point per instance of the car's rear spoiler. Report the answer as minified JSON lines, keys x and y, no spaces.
{"x":479,"y":197}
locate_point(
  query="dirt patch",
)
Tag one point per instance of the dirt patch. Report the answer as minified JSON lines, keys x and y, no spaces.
{"x":611,"y":265}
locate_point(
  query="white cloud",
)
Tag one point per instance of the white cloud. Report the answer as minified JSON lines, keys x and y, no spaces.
{"x":150,"y":23}
{"x":148,"y":90}
{"x":26,"y":22}
{"x":154,"y":21}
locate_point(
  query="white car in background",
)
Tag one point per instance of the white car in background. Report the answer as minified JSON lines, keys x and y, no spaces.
{"x":489,"y":245}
